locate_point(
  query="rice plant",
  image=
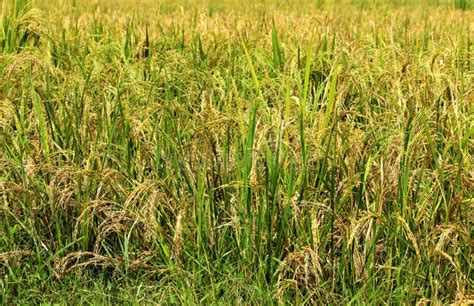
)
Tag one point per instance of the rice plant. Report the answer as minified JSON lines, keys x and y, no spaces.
{"x":236,"y":152}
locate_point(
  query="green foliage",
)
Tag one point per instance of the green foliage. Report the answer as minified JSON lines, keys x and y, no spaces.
{"x":463,"y":4}
{"x":247,"y":152}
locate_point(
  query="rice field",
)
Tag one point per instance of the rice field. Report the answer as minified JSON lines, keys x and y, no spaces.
{"x":237,"y":152}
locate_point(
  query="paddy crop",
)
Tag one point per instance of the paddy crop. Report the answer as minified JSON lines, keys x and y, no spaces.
{"x":236,"y":152}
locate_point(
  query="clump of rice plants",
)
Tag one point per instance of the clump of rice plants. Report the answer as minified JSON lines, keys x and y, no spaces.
{"x":236,"y":152}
